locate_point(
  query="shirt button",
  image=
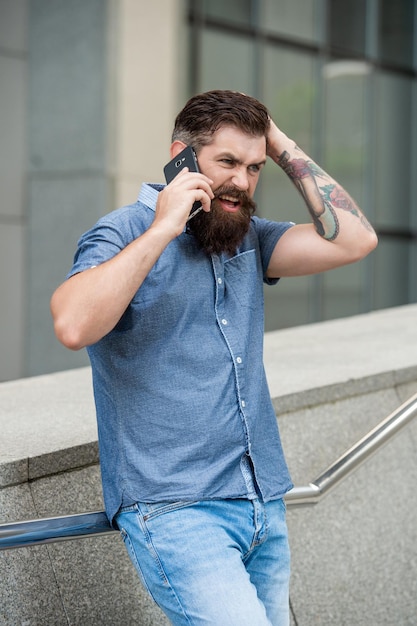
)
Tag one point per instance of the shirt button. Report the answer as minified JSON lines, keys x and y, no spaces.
{"x":224,"y":322}
{"x":243,"y":404}
{"x":239,"y":360}
{"x":219,"y":280}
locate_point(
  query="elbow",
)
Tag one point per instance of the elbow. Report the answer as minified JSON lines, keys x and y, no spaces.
{"x":368,"y":244}
{"x":68,"y":336}
{"x":363,"y":246}
{"x":66,"y":332}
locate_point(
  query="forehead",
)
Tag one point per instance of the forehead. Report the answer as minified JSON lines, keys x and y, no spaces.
{"x":233,"y":141}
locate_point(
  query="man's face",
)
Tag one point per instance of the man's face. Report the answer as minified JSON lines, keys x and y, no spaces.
{"x":233,"y":161}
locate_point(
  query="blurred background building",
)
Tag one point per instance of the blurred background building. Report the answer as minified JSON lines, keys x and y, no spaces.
{"x":88,"y":93}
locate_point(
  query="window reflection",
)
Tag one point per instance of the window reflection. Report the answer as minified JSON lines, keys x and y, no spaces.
{"x":345,"y":131}
{"x":396,"y":31}
{"x":298,"y":18}
{"x":236,"y":11}
{"x":288,"y":79}
{"x":392,"y":266}
{"x":347,"y":22}
{"x":338,"y":77}
{"x":345,"y":159}
{"x":234,"y":55}
{"x":393,"y":150}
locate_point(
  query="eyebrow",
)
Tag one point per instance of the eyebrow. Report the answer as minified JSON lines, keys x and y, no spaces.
{"x":231,"y":157}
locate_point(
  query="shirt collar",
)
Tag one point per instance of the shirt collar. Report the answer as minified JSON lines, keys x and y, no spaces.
{"x":148,"y":194}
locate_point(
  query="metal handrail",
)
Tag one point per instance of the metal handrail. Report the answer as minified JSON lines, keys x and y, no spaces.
{"x":48,"y":530}
{"x":51,"y":529}
{"x":355,"y":456}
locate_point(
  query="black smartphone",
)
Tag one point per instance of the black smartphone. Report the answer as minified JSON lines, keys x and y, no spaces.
{"x":186,"y":158}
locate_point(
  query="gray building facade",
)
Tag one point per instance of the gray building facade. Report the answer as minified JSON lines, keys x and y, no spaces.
{"x":88,"y":93}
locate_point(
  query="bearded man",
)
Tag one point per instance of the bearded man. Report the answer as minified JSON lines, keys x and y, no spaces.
{"x":171,"y":313}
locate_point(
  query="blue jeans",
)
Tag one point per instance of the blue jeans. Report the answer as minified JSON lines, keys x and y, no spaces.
{"x":219,"y":562}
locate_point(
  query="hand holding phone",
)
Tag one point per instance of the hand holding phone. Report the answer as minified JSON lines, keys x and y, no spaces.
{"x":186,"y":158}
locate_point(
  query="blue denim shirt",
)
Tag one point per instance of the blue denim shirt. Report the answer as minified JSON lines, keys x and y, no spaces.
{"x":180,"y":390}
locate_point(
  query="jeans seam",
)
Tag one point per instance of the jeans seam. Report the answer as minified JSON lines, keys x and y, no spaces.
{"x":155,"y":555}
{"x":261,"y":532}
{"x":131,"y":548}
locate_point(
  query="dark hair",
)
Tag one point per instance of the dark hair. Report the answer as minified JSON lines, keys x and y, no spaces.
{"x":205,"y":113}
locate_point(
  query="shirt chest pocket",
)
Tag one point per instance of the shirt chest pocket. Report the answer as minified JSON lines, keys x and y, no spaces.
{"x":243,"y":281}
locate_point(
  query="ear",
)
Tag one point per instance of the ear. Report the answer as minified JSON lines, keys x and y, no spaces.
{"x":176,"y":148}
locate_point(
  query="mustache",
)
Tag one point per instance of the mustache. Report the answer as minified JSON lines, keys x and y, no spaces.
{"x":240,"y":195}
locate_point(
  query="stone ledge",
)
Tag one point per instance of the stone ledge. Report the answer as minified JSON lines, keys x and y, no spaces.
{"x":340,"y":391}
{"x":339,"y":351}
{"x":48,"y":422}
{"x":48,"y":464}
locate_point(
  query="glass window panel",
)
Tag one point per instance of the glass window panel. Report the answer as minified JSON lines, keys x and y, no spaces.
{"x":393,"y":120}
{"x":289,"y":82}
{"x":347,"y":24}
{"x":396,"y":25}
{"x":293,"y":18}
{"x":345,"y":129}
{"x":391,"y":273}
{"x":226,"y":62}
{"x":345,"y":139}
{"x":236,"y":11}
{"x":287,"y":303}
{"x":412,"y":282}
{"x":344,"y":291}
{"x":289,"y":96}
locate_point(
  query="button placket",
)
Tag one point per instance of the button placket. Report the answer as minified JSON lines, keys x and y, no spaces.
{"x":230,"y":338}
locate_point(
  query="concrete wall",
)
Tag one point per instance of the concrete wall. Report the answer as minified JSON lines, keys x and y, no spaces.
{"x":89,"y":91}
{"x":99,"y":70}
{"x":13,"y":146}
{"x":354,"y":558}
{"x":353,"y":554}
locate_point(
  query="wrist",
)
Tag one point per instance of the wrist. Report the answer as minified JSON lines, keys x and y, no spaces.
{"x":278,"y":142}
{"x":162,"y":232}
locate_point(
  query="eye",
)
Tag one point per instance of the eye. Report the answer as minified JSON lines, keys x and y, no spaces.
{"x":228,"y":162}
{"x":255,"y":168}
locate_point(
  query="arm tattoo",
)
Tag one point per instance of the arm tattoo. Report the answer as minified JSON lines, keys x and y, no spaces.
{"x":322,"y":200}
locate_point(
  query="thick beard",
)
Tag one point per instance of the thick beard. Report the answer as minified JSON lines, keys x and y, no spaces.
{"x":219,"y":231}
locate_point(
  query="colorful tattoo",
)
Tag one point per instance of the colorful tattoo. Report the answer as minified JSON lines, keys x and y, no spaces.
{"x":304,"y":174}
{"x":321,"y":201}
{"x":338,"y":198}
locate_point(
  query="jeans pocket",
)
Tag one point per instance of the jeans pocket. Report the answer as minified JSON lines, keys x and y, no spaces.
{"x":151,"y":510}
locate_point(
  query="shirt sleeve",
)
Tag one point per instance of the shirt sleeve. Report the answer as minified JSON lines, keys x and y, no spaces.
{"x":104,"y":240}
{"x":269,"y":233}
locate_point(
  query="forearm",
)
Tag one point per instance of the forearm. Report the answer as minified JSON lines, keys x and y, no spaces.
{"x":334,"y":213}
{"x":88,"y":305}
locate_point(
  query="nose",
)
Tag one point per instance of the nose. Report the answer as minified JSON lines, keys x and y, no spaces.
{"x":240,"y":179}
